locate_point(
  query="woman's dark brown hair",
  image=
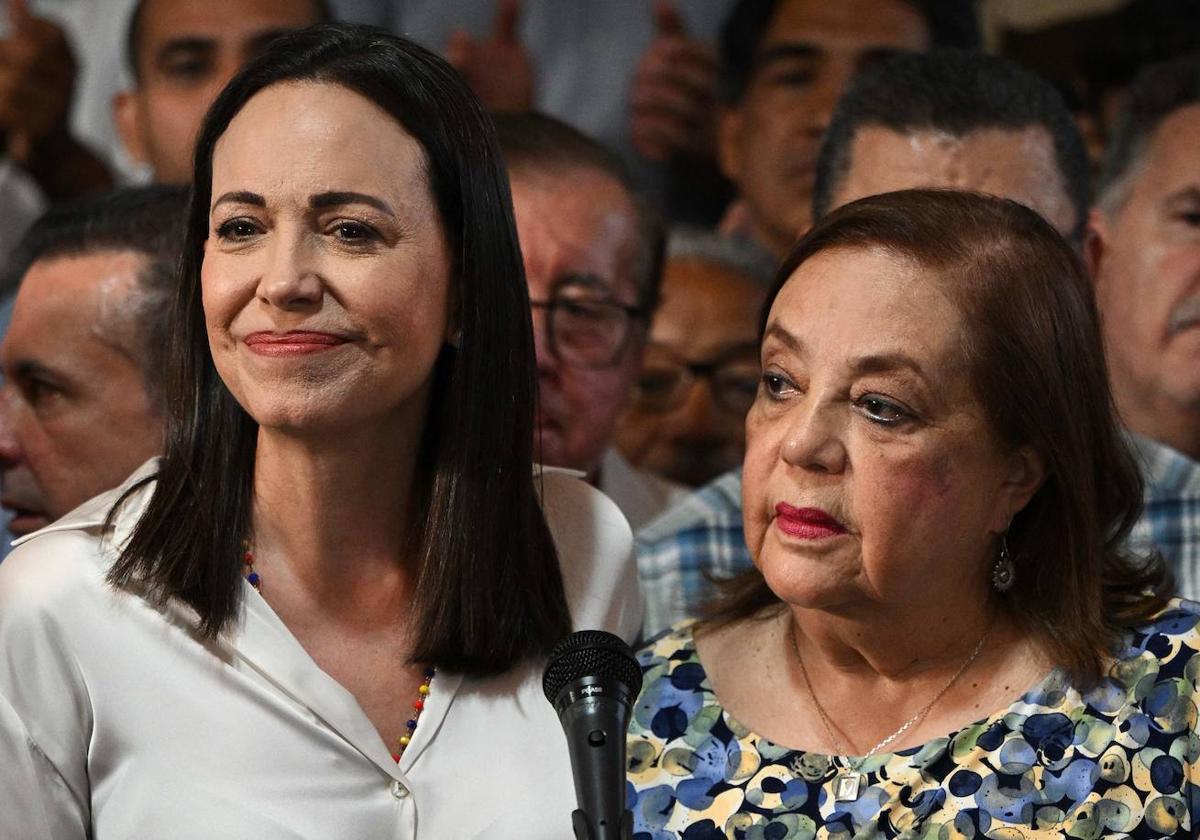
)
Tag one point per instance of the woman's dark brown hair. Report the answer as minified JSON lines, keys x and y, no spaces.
{"x":489,"y":591}
{"x":1036,"y":361}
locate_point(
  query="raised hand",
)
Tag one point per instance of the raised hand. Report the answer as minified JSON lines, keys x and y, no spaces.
{"x":674,"y":92}
{"x":497,"y":67}
{"x":37,"y":76}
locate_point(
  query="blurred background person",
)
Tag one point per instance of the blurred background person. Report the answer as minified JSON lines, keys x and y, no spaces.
{"x":699,"y":374}
{"x":595,"y":66}
{"x":82,"y":400}
{"x":593,"y":261}
{"x":785,"y":63}
{"x":942,"y":119}
{"x":937,"y":493}
{"x":309,"y":576}
{"x":180,"y":54}
{"x":1144,"y":250}
{"x":38,"y":76}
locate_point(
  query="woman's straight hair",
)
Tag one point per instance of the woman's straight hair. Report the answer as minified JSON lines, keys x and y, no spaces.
{"x":489,"y":591}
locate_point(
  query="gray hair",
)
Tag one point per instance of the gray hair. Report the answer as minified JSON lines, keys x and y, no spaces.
{"x":739,"y":256}
{"x":1159,"y":91}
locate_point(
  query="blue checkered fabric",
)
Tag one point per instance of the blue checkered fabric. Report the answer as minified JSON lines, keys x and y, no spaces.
{"x":701,"y":537}
{"x":1170,"y":520}
{"x":698,"y":538}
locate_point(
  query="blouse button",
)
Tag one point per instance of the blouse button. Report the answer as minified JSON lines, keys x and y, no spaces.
{"x":399,"y":790}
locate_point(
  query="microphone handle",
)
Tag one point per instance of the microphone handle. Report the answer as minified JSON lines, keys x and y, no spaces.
{"x":595,"y":729}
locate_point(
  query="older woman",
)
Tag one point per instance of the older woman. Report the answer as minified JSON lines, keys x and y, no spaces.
{"x":321,"y":613}
{"x":941,"y":637}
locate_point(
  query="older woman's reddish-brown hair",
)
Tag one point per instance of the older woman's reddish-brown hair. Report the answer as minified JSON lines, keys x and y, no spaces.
{"x":1036,"y":362}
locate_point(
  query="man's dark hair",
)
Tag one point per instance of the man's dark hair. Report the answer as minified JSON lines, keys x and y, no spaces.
{"x":133,"y":32}
{"x":955,"y":92}
{"x":1159,"y":91}
{"x":489,"y":588}
{"x":951,"y":23}
{"x":149,"y":221}
{"x":538,"y":143}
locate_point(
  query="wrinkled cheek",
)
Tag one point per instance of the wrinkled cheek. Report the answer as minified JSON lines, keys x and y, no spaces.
{"x":762,"y":457}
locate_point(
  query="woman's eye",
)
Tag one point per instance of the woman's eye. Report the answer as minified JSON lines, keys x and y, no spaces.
{"x":882,"y":411}
{"x":237,"y":229}
{"x":351,"y":231}
{"x":776,"y":385}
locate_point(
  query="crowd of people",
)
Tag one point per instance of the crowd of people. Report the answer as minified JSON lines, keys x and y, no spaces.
{"x":796,"y":343}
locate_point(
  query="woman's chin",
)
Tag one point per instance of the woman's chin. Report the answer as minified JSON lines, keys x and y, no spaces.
{"x":808,"y":583}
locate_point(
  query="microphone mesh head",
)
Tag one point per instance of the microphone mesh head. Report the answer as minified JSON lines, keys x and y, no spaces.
{"x":591,"y":653}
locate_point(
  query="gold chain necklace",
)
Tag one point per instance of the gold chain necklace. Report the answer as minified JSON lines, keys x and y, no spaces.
{"x":849,"y":779}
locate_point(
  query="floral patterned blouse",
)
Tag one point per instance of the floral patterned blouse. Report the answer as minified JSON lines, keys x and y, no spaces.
{"x":1122,"y":760}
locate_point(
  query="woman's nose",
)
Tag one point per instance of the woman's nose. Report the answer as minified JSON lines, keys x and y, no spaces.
{"x":291,"y":279}
{"x":814,"y":438}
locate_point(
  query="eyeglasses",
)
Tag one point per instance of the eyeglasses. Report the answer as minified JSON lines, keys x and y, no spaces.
{"x":666,"y":379}
{"x":587,"y":332}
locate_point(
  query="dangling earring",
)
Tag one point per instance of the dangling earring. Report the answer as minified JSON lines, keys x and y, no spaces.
{"x":1004,"y":573}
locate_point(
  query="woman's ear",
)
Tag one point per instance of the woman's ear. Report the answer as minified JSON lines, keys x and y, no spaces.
{"x":1026,"y":474}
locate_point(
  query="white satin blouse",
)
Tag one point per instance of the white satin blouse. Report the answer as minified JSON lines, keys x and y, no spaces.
{"x":117,"y":723}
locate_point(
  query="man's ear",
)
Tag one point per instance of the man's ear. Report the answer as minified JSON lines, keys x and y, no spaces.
{"x":1026,"y":475}
{"x":1096,"y":236}
{"x":128,"y":119}
{"x":730,"y":125}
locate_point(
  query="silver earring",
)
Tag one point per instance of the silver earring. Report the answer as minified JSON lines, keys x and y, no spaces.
{"x":1004,"y":573}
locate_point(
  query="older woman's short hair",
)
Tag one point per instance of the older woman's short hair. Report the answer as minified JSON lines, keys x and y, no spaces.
{"x":489,"y":589}
{"x":1036,"y":362}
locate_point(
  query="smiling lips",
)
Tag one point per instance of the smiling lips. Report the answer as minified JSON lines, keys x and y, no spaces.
{"x":294,"y":343}
{"x":806,"y":523}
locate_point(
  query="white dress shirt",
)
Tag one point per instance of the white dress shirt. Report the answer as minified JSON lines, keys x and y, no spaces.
{"x":118,"y":722}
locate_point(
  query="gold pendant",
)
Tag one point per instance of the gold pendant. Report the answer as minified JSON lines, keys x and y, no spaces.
{"x":845,"y":786}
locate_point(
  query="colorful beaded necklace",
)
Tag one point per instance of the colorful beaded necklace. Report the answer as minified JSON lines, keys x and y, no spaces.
{"x":255,"y":580}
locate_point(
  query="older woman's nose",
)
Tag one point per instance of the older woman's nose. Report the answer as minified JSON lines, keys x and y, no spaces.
{"x":813,"y":440}
{"x":291,"y":279}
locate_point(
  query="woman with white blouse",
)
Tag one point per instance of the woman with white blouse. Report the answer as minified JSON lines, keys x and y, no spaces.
{"x":322,"y":613}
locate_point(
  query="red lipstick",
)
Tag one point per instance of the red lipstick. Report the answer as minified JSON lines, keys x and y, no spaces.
{"x":294,"y":343}
{"x":806,"y":523}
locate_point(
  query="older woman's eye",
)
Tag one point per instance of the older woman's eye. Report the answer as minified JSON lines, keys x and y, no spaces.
{"x":882,"y":411}
{"x":776,"y":385}
{"x":238,"y":229}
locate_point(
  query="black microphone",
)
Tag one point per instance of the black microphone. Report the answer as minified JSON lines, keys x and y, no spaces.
{"x":592,"y":680}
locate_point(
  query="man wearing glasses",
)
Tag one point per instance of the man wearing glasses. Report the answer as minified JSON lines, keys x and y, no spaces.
{"x":593,"y":258}
{"x":700,"y":370}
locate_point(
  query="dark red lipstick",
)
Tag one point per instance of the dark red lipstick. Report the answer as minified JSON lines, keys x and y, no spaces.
{"x":294,"y":343}
{"x":806,"y":523}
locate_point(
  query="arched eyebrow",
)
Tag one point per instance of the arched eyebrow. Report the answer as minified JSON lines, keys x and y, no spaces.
{"x":881,"y":362}
{"x":887,"y":363}
{"x":336,"y":198}
{"x":777,"y":332}
{"x":320,"y":201}
{"x":240,"y":197}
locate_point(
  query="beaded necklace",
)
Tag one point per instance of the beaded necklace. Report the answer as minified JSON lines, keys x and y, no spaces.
{"x":255,"y":580}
